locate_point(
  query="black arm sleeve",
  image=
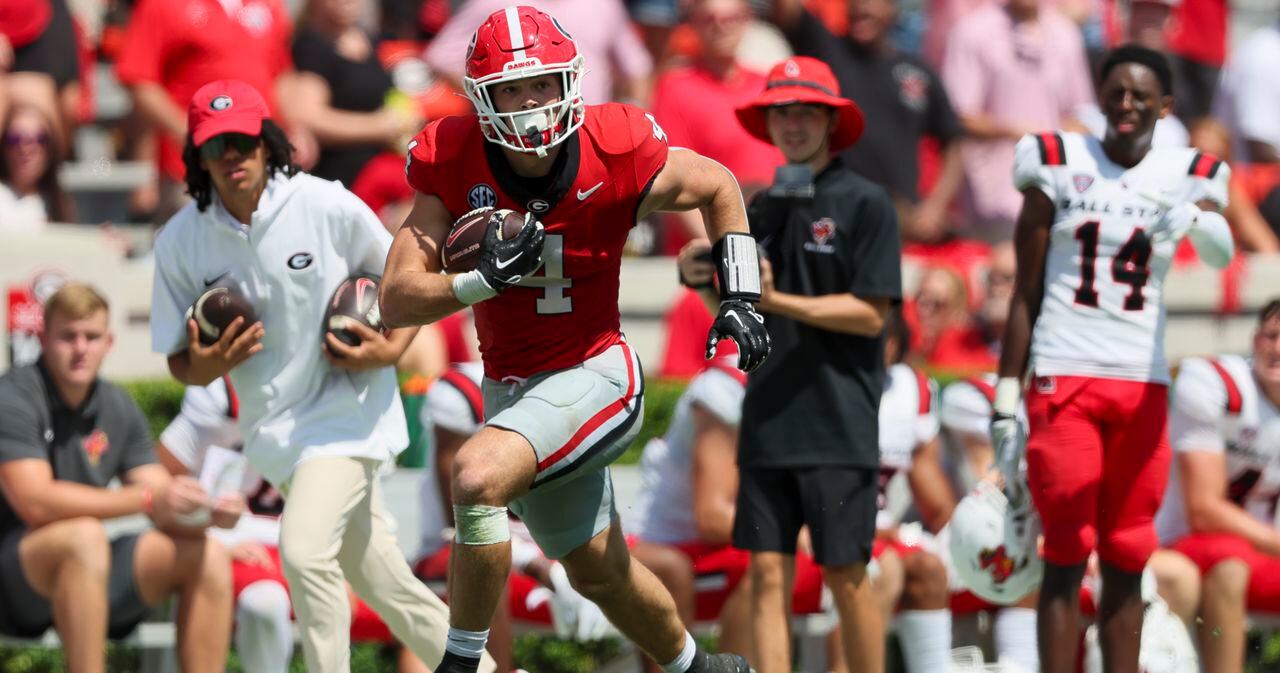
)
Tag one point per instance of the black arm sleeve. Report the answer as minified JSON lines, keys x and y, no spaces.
{"x":139,"y":447}
{"x":873,"y":250}
{"x":20,"y":432}
{"x":311,"y":53}
{"x":942,"y":122}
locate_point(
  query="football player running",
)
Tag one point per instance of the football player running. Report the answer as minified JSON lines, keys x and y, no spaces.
{"x":1098,"y":227}
{"x":1219,"y":510}
{"x":563,"y":389}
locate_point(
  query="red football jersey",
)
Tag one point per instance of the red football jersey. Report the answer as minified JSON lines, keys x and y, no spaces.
{"x":568,"y":311}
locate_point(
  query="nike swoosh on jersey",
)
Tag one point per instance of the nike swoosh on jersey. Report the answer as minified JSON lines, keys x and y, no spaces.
{"x":582,"y":196}
{"x":211,"y":281}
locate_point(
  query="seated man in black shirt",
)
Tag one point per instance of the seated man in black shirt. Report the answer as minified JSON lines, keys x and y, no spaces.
{"x":903,"y":100}
{"x":808,"y":451}
{"x":64,"y":435}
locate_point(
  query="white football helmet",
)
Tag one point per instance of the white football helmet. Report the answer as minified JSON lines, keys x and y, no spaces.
{"x":994,"y":545}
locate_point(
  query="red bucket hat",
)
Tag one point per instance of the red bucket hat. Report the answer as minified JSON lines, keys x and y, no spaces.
{"x":803,"y":80}
{"x":225,"y":106}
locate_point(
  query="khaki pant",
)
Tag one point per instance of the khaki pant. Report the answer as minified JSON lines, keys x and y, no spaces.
{"x":333,"y":528}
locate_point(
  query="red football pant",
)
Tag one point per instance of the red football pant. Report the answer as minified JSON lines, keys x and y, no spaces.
{"x":1207,"y":550}
{"x":1097,"y":462}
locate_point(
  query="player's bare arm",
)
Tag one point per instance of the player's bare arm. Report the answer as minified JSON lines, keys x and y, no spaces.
{"x":200,"y":365}
{"x":1209,"y":511}
{"x":715,"y":476}
{"x":690,"y":181}
{"x":930,"y":489}
{"x":1031,"y":244}
{"x":413,"y":291}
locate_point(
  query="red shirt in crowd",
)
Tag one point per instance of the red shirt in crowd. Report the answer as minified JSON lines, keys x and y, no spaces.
{"x":1198,"y":31}
{"x":695,"y":108}
{"x":184,"y":44}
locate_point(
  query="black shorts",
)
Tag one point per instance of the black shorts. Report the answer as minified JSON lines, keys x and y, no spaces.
{"x":838,"y":504}
{"x":26,"y":614}
{"x":55,"y":52}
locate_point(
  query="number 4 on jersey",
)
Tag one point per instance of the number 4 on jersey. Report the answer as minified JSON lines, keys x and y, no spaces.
{"x":551,"y":278}
{"x":1128,"y":267}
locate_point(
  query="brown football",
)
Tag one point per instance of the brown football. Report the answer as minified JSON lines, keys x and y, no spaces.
{"x":461,"y":251}
{"x":216,"y":308}
{"x":355,"y":300}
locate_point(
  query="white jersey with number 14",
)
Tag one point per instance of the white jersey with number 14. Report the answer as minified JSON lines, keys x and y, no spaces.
{"x":1103,"y":311}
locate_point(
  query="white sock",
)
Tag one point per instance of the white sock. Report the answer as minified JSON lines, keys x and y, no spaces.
{"x":264,"y":634}
{"x":1015,"y":637}
{"x":926,"y":640}
{"x":683,"y":660}
{"x":469,"y":644}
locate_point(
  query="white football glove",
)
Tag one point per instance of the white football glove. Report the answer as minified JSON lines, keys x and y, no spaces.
{"x":1174,"y":223}
{"x":574,"y":616}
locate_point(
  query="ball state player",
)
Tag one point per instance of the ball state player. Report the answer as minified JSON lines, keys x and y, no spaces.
{"x":563,"y":389}
{"x":1099,"y":224}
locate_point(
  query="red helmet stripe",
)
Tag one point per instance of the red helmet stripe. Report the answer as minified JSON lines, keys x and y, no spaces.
{"x":517,"y":35}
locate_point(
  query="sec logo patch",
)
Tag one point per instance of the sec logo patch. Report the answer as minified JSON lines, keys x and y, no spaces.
{"x":482,"y":196}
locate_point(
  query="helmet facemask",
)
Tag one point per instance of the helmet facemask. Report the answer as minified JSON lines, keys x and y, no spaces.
{"x":539,"y":129}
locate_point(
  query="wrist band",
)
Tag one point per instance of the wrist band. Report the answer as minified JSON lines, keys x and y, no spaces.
{"x":471,"y":288}
{"x":738,"y":266}
{"x":1008,"y":393}
{"x":147,"y":501}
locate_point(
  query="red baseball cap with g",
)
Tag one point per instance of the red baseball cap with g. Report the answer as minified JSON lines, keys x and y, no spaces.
{"x":225,"y":106}
{"x":803,"y":80}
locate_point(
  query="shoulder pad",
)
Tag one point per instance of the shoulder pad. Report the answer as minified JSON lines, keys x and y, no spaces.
{"x":618,"y":128}
{"x":443,"y":138}
{"x":1235,"y":398}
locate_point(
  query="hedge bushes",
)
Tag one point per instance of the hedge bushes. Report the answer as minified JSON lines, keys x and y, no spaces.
{"x":161,"y":399}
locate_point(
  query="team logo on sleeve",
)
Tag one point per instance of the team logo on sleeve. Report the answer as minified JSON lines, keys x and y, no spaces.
{"x":301,"y":260}
{"x":1082,"y":181}
{"x":94,"y":446}
{"x":482,"y":196}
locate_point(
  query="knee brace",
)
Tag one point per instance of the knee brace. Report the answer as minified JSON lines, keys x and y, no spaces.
{"x":480,"y":524}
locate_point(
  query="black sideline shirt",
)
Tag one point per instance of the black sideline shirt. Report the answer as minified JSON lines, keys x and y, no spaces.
{"x":816,"y":400}
{"x":103,"y":439}
{"x":901,"y":98}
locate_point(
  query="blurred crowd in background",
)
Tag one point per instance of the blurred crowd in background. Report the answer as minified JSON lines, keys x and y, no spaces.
{"x":93,"y":93}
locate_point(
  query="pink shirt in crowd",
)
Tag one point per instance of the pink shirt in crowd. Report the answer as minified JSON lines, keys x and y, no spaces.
{"x":601,"y":29}
{"x":696,"y":111}
{"x":1032,"y":76}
